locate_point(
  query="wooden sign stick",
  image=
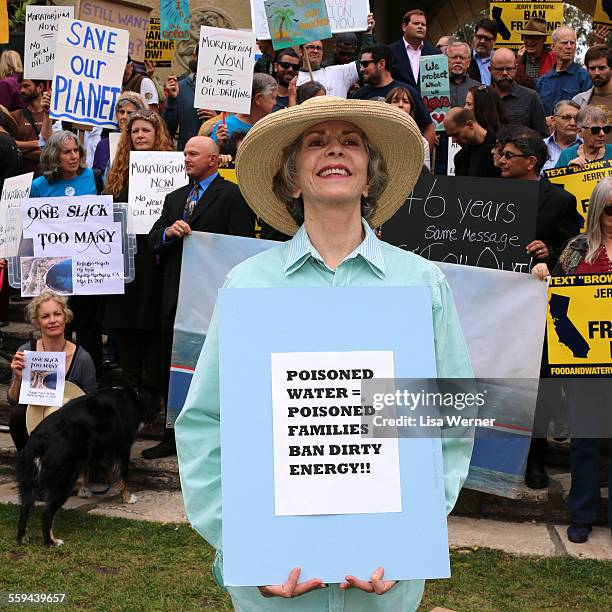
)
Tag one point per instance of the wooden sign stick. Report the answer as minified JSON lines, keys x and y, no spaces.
{"x":308,"y":63}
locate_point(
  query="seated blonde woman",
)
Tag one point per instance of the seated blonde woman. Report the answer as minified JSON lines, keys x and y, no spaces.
{"x":49,"y":313}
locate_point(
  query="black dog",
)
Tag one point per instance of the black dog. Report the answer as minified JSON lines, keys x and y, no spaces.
{"x":96,"y":429}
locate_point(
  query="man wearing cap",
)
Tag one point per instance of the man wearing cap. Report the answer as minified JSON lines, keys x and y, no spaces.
{"x":346,"y":45}
{"x":522,"y":104}
{"x":327,"y":172}
{"x":208,"y":204}
{"x":536,"y":61}
{"x":567,"y":78}
{"x":484,"y":40}
{"x":407,"y":51}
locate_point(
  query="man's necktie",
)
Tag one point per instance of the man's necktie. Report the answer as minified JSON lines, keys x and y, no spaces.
{"x":192,"y":200}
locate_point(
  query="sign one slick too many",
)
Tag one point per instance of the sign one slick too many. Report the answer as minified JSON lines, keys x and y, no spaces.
{"x":89,"y":64}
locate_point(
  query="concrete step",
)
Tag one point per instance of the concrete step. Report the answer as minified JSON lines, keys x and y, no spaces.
{"x":13,"y":336}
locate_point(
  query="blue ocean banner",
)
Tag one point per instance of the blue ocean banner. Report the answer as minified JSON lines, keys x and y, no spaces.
{"x":88,"y":72}
{"x":174,"y":20}
{"x":488,"y":302}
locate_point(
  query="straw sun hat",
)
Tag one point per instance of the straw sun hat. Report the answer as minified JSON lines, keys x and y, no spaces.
{"x":389,"y":130}
{"x":36,"y":414}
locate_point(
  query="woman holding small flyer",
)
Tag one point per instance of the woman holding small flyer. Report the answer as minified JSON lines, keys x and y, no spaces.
{"x":49,"y":313}
{"x":327,"y":172}
{"x":134,"y":317}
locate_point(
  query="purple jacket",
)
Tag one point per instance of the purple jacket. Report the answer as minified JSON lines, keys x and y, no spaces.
{"x":10,"y":95}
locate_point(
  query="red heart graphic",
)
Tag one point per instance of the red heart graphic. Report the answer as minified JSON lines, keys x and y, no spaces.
{"x":438,"y":117}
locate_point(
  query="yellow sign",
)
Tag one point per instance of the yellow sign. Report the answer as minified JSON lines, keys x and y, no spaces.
{"x":229,"y":174}
{"x":603,"y":12}
{"x":512,"y":17}
{"x":580,"y":181}
{"x":4,"y":31}
{"x":158,"y":51}
{"x":579,"y":325}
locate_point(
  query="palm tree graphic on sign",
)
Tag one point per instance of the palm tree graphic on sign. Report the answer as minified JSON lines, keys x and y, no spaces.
{"x":282,"y":17}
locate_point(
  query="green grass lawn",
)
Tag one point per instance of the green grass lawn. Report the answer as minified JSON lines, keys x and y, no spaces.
{"x":117,"y":564}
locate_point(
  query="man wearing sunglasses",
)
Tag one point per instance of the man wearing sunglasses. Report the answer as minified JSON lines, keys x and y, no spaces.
{"x":484,"y":40}
{"x":286,"y":69}
{"x":593,"y":129}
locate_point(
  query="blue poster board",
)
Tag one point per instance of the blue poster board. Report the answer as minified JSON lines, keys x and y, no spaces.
{"x":260,"y":547}
{"x":294,"y":22}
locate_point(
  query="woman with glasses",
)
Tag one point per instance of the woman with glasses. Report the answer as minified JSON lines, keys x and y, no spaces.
{"x":593,"y":129}
{"x":134,"y":317}
{"x":588,"y":399}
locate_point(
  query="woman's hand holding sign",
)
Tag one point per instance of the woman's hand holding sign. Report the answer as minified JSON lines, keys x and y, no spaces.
{"x":291,"y":588}
{"x":376,"y":585}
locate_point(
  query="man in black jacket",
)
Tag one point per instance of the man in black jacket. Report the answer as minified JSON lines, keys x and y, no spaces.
{"x":408,"y":50}
{"x":208,"y":204}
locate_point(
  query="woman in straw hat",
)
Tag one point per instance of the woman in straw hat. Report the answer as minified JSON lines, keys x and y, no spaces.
{"x":326,"y":172}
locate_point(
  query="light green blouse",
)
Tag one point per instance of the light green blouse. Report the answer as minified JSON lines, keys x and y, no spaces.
{"x":297,"y":264}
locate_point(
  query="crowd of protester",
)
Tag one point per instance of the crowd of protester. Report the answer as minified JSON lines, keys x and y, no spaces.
{"x":514,"y":115}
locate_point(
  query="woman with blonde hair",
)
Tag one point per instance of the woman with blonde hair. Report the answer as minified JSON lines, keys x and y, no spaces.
{"x":49,"y":313}
{"x":10,"y":70}
{"x":134,"y":318}
{"x":589,"y":400}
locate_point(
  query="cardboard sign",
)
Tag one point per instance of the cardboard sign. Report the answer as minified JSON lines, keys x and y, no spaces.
{"x":512,"y":17}
{"x":344,"y":16}
{"x":472,"y":221}
{"x":119,"y":14}
{"x":174,"y":20}
{"x":580,"y":181}
{"x":579,"y":324}
{"x":14,"y":191}
{"x":295,"y":22}
{"x":4,"y":31}
{"x":225,"y":70}
{"x":89,"y":64}
{"x":153,"y":175}
{"x":365,"y":473}
{"x":43,"y":378}
{"x":603,"y":13}
{"x":40,"y":39}
{"x":435,"y":88}
{"x":326,"y":544}
{"x":158,"y":51}
{"x":78,"y":247}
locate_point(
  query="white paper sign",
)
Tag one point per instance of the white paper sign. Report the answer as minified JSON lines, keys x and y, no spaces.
{"x":40,"y":39}
{"x":90,"y":238}
{"x":39,"y":212}
{"x":344,"y":16}
{"x":453,"y":149}
{"x":322,"y":464}
{"x":14,"y":191}
{"x":77,"y":245}
{"x":225,"y":70}
{"x":113,"y":143}
{"x":348,"y":15}
{"x":153,"y":175}
{"x":98,"y":274}
{"x":43,"y":378}
{"x":87,"y":79}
